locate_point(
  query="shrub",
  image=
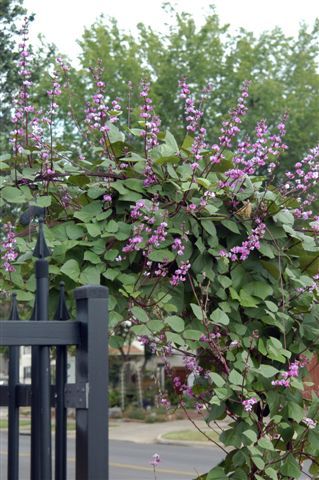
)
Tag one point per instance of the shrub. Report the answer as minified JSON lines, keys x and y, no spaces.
{"x":205,"y":251}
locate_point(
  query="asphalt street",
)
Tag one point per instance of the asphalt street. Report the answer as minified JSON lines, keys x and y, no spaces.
{"x":129,"y":461}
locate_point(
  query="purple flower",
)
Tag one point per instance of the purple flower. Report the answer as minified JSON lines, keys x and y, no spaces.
{"x":136,"y":213}
{"x":242,"y":251}
{"x":164,"y":402}
{"x":310,"y":422}
{"x":180,"y":273}
{"x":155,"y":460}
{"x":8,"y":253}
{"x":293,"y":371}
{"x":199,"y":407}
{"x":249,"y":403}
{"x":178,"y":246}
{"x":192,"y":365}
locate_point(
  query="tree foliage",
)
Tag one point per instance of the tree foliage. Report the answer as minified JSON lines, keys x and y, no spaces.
{"x":284,"y":71}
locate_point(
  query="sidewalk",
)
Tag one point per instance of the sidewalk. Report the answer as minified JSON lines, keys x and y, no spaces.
{"x":139,"y":432}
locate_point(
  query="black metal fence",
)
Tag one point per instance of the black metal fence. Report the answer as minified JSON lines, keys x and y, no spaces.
{"x":88,"y":395}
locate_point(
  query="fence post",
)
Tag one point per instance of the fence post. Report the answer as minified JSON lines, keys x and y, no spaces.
{"x":61,"y":379}
{"x":35,"y":407}
{"x":42,"y":425}
{"x":13,"y":430}
{"x":92,"y":374}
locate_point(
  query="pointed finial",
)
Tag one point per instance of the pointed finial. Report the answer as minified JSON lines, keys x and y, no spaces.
{"x":14,"y":314}
{"x":41,"y":249}
{"x":62,"y":312}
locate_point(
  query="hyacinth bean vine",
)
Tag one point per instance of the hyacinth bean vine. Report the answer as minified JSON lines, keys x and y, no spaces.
{"x":205,"y":251}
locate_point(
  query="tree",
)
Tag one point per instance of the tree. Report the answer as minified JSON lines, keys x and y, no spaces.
{"x":283,"y":70}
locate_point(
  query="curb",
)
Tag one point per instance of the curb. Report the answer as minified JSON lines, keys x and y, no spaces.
{"x":184,"y":443}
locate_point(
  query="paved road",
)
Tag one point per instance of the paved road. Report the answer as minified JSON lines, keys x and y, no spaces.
{"x":130,"y":461}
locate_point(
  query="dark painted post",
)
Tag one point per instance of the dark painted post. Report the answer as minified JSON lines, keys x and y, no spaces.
{"x":13,"y":430}
{"x":92,"y":374}
{"x":44,"y":375}
{"x":61,"y":379}
{"x":35,"y":407}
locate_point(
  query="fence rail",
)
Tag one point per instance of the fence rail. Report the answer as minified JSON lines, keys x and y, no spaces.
{"x":88,"y":395}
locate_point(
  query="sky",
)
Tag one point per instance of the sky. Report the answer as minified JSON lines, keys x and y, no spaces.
{"x":63,"y":21}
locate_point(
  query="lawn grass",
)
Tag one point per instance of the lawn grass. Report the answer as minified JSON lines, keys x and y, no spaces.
{"x":191,"y":436}
{"x":23,"y":423}
{"x":27,"y":423}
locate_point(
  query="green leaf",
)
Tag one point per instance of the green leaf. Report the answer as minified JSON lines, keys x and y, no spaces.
{"x":271,"y":473}
{"x":95,"y":192}
{"x":171,"y":142}
{"x":23,"y":296}
{"x":175,"y":322}
{"x":71,"y":269}
{"x":111,"y":254}
{"x":217,"y":379}
{"x":234,"y":295}
{"x":203,"y":182}
{"x":163,"y":255}
{"x":224,"y":281}
{"x":114,"y":134}
{"x":115,"y":341}
{"x":155,"y":325}
{"x":230,"y":437}
{"x":236,"y":378}
{"x":74,"y":231}
{"x":271,"y":306}
{"x":111,"y":273}
{"x":44,"y":201}
{"x":198,"y":312}
{"x":140,"y":329}
{"x":209,"y":226}
{"x":174,"y":338}
{"x":266,"y":371}
{"x":266,"y":250}
{"x":91,"y":257}
{"x":93,"y":229}
{"x":231,"y":225}
{"x":79,"y":180}
{"x":266,"y":444}
{"x":285,"y":217}
{"x":258,"y":461}
{"x":12,"y":195}
{"x":219,"y":316}
{"x":290,"y":467}
{"x":259,"y":289}
{"x":217,"y":473}
{"x":89,"y":211}
{"x":247,"y":300}
{"x":90,"y":275}
{"x":192,"y":334}
{"x":140,"y":314}
{"x":187,"y":142}
{"x":251,"y":435}
{"x":112,"y":226}
{"x":295,"y":411}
